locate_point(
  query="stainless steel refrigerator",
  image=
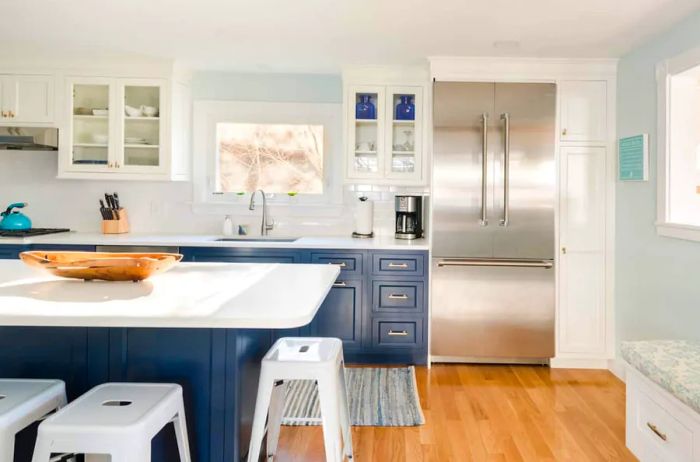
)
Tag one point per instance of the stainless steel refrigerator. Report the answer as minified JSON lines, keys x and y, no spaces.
{"x":494,"y":183}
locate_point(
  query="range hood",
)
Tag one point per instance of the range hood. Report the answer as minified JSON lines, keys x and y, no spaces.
{"x":28,"y":139}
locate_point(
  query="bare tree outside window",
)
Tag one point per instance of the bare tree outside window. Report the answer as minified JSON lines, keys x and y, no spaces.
{"x":278,"y":158}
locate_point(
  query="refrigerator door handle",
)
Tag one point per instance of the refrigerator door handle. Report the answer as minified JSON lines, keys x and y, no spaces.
{"x":505,"y":117}
{"x":484,"y":167}
{"x":513,"y":263}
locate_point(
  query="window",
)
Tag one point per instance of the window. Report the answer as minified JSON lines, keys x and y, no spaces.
{"x":679,"y":147}
{"x":278,"y":158}
{"x":292,"y":151}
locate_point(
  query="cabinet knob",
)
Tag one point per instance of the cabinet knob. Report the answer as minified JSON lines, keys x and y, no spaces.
{"x":563,"y":250}
{"x":4,"y":114}
{"x":12,"y":115}
{"x":563,"y":132}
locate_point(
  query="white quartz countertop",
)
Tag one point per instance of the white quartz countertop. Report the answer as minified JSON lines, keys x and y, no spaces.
{"x":199,"y":240}
{"x":206,"y":295}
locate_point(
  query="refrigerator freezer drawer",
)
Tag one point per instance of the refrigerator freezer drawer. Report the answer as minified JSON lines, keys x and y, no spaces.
{"x":492,"y":311}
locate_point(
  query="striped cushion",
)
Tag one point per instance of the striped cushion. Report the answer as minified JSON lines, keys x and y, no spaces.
{"x":672,"y":364}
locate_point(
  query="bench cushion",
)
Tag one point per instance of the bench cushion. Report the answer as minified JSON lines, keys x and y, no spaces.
{"x":672,"y":364}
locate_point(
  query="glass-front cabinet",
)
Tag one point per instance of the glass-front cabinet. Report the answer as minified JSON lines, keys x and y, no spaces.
{"x":384,"y":133}
{"x":115,"y":125}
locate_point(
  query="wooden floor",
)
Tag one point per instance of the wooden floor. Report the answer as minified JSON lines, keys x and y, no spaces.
{"x":493,"y":413}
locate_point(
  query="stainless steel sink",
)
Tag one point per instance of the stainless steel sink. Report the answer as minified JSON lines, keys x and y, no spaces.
{"x":256,"y":239}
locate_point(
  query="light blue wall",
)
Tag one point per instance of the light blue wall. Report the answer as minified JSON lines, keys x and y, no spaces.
{"x":657,"y":278}
{"x":307,"y":88}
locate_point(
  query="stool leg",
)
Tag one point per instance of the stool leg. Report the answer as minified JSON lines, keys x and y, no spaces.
{"x":345,"y":423}
{"x":7,"y":447}
{"x":262,"y":405}
{"x":274,"y":420}
{"x":138,"y":453}
{"x":328,"y":396}
{"x":42,"y":450}
{"x":183,"y":444}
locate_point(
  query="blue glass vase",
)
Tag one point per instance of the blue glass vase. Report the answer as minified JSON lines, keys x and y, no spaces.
{"x":365,"y":109}
{"x":406,"y":110}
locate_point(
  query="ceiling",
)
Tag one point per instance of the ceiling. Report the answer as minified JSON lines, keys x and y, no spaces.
{"x":325,"y":35}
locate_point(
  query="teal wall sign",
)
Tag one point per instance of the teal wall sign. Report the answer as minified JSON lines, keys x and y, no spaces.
{"x":633,"y":158}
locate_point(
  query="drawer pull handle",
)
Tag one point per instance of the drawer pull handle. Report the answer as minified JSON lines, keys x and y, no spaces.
{"x":341,"y":264}
{"x":398,"y":333}
{"x":656,"y":431}
{"x":398,"y":297}
{"x":339,"y":284}
{"x":398,"y":265}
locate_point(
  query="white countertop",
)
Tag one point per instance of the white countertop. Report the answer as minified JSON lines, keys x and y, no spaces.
{"x":199,"y":240}
{"x":207,"y":295}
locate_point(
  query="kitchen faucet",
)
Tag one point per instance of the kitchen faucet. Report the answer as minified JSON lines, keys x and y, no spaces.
{"x":266,"y":224}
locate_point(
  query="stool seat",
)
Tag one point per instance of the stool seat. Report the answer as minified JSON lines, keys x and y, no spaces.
{"x":104,"y":418}
{"x":23,"y":402}
{"x":116,"y":407}
{"x":303,"y":358}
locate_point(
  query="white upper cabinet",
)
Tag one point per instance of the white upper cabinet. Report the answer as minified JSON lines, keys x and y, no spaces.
{"x":583,"y":114}
{"x":385,"y":134}
{"x":582,"y":312}
{"x":121,"y":128}
{"x":27,"y":99}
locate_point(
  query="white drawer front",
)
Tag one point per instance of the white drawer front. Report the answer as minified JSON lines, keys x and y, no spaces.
{"x":657,"y":434}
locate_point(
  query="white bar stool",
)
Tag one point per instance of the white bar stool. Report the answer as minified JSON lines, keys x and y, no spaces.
{"x":119,"y":419}
{"x":319,"y":359}
{"x":23,"y":402}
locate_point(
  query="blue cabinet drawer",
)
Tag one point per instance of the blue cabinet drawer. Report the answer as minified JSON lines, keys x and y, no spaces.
{"x":397,"y":264}
{"x":350,"y":263}
{"x":340,"y":315}
{"x":11,"y":252}
{"x":393,"y":296}
{"x":392,"y":333}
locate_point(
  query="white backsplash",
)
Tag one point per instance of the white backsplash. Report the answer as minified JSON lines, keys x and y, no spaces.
{"x":156,"y":207}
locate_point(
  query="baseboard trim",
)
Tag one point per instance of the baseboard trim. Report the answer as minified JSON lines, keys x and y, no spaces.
{"x":618,"y":368}
{"x":579,"y":363}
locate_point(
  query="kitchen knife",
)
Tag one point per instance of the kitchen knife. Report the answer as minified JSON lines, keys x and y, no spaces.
{"x":103,"y":211}
{"x":115,"y":197}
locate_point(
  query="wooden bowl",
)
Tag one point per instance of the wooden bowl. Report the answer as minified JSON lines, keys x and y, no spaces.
{"x":105,"y":266}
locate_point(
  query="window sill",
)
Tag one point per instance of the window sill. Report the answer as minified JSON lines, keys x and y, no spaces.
{"x":678,"y":231}
{"x":282,"y":209}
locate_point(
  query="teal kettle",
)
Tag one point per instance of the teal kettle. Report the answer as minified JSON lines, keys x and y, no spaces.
{"x":14,"y":220}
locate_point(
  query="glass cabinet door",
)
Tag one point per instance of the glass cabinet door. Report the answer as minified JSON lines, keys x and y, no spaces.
{"x":366,"y":132}
{"x":90,"y":133}
{"x":141,"y":123}
{"x":404,"y":113}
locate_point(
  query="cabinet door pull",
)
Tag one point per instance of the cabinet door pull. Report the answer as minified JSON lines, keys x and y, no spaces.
{"x":398,"y":297}
{"x":397,"y":333}
{"x":656,"y":431}
{"x":398,"y":265}
{"x":4,"y":114}
{"x":342,"y":264}
{"x":339,"y":284}
{"x":12,"y":114}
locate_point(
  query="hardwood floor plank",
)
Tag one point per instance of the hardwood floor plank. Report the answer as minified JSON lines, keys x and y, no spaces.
{"x":493,"y":413}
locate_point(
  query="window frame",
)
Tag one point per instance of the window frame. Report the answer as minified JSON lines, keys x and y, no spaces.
{"x":665,"y":70}
{"x":208,"y":113}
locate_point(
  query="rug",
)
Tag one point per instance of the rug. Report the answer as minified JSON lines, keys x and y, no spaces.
{"x":378,"y":397}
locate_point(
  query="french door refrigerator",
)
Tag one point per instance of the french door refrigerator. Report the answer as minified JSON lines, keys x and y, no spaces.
{"x":494,"y":183}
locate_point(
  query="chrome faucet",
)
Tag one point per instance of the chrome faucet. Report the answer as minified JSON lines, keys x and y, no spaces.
{"x":266,"y":224}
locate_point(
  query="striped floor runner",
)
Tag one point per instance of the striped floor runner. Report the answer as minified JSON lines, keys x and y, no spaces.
{"x":378,"y":397}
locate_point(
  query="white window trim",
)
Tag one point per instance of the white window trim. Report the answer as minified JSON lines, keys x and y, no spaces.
{"x":664,"y":71}
{"x":208,"y":113}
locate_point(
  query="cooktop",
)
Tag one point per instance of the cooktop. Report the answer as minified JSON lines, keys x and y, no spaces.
{"x":31,"y":232}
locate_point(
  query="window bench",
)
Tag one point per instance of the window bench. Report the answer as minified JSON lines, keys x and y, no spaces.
{"x":663,"y":399}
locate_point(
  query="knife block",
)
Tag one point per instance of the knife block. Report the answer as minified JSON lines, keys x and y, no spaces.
{"x":118,"y":226}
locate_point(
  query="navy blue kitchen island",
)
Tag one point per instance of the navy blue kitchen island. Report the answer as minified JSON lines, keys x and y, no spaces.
{"x":378,"y":307}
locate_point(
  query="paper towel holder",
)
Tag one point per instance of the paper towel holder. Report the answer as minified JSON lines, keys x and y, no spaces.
{"x":364,"y":224}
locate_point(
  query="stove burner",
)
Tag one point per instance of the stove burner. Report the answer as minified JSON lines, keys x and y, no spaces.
{"x":31,"y":232}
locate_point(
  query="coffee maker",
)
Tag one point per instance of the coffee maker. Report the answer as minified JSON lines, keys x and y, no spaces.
{"x":409,"y":217}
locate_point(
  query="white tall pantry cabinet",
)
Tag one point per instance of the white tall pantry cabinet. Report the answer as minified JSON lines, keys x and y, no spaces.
{"x":586,"y":166}
{"x":586,"y":183}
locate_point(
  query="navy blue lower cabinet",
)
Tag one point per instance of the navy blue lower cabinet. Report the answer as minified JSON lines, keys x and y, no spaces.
{"x":11,"y":252}
{"x":240,"y":255}
{"x":340,"y":315}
